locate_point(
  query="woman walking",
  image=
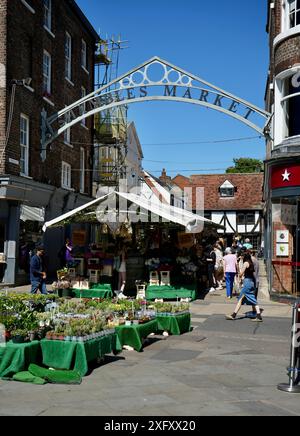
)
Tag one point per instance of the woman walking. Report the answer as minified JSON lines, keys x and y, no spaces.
{"x":248,"y":292}
{"x":230,"y":270}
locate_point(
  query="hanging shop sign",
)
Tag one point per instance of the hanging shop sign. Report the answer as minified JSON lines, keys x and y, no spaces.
{"x":285,"y":176}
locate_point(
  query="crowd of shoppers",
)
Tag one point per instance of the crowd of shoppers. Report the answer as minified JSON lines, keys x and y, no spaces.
{"x":238,"y":268}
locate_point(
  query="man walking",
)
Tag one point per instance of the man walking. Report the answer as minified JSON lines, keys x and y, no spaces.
{"x":37,"y":272}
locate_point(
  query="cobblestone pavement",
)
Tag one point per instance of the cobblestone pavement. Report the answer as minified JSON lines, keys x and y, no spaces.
{"x":220,"y":368}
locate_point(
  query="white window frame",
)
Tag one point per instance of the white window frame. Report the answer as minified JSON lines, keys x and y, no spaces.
{"x":224,"y":190}
{"x":47,"y":75}
{"x":68,"y":56}
{"x":24,"y":145}
{"x":82,"y":170}
{"x":84,"y":52}
{"x":286,"y":14}
{"x":48,"y":15}
{"x":66,"y":176}
{"x":280,"y":127}
{"x":289,"y":13}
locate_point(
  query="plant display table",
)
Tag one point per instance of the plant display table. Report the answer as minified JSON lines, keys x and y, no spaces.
{"x":101,"y":291}
{"x":133,"y":335}
{"x":170,"y":293}
{"x":17,"y":357}
{"x":76,"y":356}
{"x":103,"y":294}
{"x":175,"y":325}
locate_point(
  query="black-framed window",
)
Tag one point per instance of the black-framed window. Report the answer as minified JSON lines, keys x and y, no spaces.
{"x":250,"y":219}
{"x":227,"y":192}
{"x":241,"y":219}
{"x":244,"y":219}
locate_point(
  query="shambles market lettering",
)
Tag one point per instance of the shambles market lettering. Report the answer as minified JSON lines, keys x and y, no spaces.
{"x":127,"y":95}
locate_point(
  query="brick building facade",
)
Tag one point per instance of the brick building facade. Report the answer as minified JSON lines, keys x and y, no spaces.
{"x":282,"y":181}
{"x":51,"y":45}
{"x":232,"y":200}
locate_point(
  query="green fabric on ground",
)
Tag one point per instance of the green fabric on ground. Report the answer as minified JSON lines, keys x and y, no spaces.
{"x":104,"y":294}
{"x":27,"y":377}
{"x":16,"y":358}
{"x":170,"y":293}
{"x":76,"y":355}
{"x":56,"y":377}
{"x":134,"y":335}
{"x":176,"y":325}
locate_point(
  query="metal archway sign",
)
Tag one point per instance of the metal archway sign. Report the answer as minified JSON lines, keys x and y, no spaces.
{"x":154,"y":80}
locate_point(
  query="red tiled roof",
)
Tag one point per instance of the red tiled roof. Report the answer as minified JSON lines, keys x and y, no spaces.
{"x":249,"y":195}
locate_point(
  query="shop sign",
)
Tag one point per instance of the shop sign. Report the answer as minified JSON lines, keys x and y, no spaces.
{"x":285,"y":176}
{"x":282,"y":236}
{"x":79,"y":238}
{"x":282,"y":243}
{"x":282,"y":250}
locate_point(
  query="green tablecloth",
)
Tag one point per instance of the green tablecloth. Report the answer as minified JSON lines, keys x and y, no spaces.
{"x":93,"y":293}
{"x":102,"y":287}
{"x":15,"y":358}
{"x":176,"y":325}
{"x":170,"y":293}
{"x":77,"y":355}
{"x":134,"y":335}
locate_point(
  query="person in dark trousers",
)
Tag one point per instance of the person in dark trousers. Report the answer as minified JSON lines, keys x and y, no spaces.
{"x":38,"y":275}
{"x":248,"y":292}
{"x":211,"y":260}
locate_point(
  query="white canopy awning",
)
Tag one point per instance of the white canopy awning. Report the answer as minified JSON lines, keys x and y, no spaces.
{"x":113,"y":204}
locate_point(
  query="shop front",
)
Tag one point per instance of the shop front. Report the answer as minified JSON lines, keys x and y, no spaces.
{"x":283,"y":231}
{"x":24,"y":206}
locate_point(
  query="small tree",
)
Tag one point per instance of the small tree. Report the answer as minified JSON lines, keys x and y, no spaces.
{"x":246,"y":165}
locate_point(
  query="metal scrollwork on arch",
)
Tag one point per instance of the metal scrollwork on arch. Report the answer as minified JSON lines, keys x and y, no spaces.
{"x":154,"y":80}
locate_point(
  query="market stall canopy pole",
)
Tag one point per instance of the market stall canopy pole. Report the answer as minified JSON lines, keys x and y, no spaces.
{"x":192,"y":222}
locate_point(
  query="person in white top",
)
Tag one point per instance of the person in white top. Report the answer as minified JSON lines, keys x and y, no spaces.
{"x":219,"y":270}
{"x":122,"y":268}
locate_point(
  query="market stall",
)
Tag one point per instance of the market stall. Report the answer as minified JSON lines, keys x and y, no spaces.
{"x":15,"y":358}
{"x":135,"y":334}
{"x":77,"y":355}
{"x":171,"y":293}
{"x":45,"y":332}
{"x":175,"y":325}
{"x":150,"y":231}
{"x":97,"y":291}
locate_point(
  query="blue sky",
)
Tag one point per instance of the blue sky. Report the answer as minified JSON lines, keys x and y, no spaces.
{"x":223,"y":42}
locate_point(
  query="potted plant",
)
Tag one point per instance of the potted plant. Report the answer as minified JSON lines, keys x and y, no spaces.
{"x":19,"y":336}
